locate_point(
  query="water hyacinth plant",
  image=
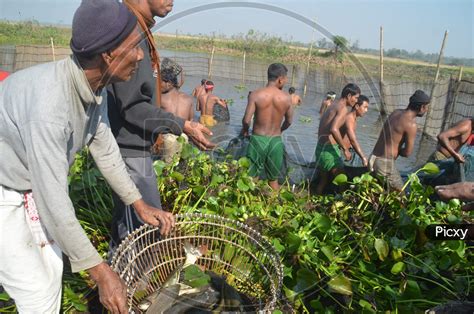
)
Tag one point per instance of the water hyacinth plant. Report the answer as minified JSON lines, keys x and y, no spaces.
{"x":363,"y":250}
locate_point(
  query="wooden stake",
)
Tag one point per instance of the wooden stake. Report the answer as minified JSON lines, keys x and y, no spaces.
{"x":52,"y":49}
{"x":435,"y":81}
{"x":243,"y":69}
{"x":209,"y":73}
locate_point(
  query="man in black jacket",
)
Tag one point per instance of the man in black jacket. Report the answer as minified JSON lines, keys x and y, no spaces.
{"x":135,"y":120}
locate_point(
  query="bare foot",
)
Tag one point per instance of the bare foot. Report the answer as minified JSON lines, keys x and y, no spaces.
{"x":462,"y":190}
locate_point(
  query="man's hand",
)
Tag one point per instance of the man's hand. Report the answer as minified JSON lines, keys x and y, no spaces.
{"x":112,"y":291}
{"x":459,"y":158}
{"x":347,"y":154}
{"x":196,"y":132}
{"x":154,"y":216}
{"x":365,"y":162}
{"x":244,"y":133}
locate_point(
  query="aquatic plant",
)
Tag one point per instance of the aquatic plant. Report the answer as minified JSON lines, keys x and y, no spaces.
{"x":363,"y":250}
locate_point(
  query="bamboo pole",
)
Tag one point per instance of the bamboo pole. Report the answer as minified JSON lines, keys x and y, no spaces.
{"x":308,"y":63}
{"x":176,"y":46}
{"x":293,"y":73}
{"x":209,"y":73}
{"x":449,"y":116}
{"x":383,"y":105}
{"x":381,"y":54}
{"x":243,"y":69}
{"x":52,"y":48}
{"x":435,"y":82}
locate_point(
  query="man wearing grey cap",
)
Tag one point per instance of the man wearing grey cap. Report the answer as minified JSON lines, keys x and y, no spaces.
{"x":397,"y":139}
{"x":47,"y":114}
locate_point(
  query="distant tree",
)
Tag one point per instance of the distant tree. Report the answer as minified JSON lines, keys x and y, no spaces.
{"x":339,"y":42}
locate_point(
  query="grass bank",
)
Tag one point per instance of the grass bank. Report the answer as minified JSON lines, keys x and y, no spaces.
{"x":257,"y":46}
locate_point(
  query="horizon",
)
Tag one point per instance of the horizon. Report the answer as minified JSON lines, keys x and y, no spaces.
{"x":456,"y":17}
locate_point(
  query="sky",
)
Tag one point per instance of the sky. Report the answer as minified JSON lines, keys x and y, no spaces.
{"x":408,"y":24}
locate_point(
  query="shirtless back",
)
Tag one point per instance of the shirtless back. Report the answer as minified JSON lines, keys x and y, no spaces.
{"x":172,"y":100}
{"x":207,"y":99}
{"x":399,"y":131}
{"x":178,"y":103}
{"x":270,"y":105}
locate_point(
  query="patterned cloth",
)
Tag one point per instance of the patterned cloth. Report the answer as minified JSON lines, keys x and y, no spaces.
{"x":40,"y":235}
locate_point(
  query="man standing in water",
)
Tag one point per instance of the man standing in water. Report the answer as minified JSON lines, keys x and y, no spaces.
{"x":330,"y":141}
{"x":198,"y":91}
{"x":175,"y":102}
{"x":397,"y":138}
{"x":207,"y":101}
{"x":295,"y":99}
{"x":348,"y":130}
{"x":270,"y":105}
{"x":327,"y":102}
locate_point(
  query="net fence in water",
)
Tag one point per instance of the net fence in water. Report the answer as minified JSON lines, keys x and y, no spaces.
{"x":298,"y":171}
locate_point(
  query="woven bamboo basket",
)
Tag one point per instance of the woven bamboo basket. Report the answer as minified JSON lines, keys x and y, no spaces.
{"x":247,"y":260}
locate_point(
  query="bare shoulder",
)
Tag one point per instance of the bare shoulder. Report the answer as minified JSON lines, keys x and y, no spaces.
{"x":185,"y":98}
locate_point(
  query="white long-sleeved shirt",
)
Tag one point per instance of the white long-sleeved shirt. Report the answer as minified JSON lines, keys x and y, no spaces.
{"x":47,"y":114}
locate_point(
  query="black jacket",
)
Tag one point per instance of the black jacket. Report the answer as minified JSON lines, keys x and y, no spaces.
{"x":135,"y":120}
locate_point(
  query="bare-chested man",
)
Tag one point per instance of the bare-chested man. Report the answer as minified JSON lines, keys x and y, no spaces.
{"x":172,"y":100}
{"x":330,"y":96}
{"x":397,"y":138}
{"x":348,"y":130}
{"x":451,"y":141}
{"x":270,"y":105}
{"x":295,"y":99}
{"x":206,"y":102}
{"x":176,"y":102}
{"x":198,"y":91}
{"x":330,"y":142}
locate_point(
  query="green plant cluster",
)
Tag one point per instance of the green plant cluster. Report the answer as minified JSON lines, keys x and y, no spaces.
{"x":31,"y":32}
{"x":362,"y":250}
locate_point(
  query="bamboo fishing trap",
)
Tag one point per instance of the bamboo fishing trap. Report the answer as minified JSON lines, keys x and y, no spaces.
{"x":247,"y":260}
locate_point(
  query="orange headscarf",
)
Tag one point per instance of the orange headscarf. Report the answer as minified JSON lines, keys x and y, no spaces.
{"x":146,"y":24}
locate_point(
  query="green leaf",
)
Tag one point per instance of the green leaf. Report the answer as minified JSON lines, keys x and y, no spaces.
{"x":278,"y":246}
{"x":287,"y":196}
{"x":277,"y":312}
{"x":340,"y":284}
{"x":159,"y":165}
{"x":195,"y":277}
{"x":242,"y":186}
{"x":244,"y":162}
{"x":293,"y":242}
{"x":382,"y":248}
{"x":430,"y":168}
{"x":177,"y":176}
{"x":340,"y":179}
{"x":216,"y":179}
{"x":365,"y":305}
{"x":328,"y":252}
{"x":398,"y":268}
{"x":323,"y":223}
{"x":4,"y":296}
{"x":305,"y":279}
{"x":412,"y":290}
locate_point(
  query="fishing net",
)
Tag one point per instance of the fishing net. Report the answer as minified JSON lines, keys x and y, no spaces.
{"x":248,"y":261}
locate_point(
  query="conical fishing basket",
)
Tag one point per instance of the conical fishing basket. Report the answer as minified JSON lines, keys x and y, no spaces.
{"x":145,"y":260}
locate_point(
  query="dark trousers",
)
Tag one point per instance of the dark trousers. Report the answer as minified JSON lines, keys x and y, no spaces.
{"x":125,"y":219}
